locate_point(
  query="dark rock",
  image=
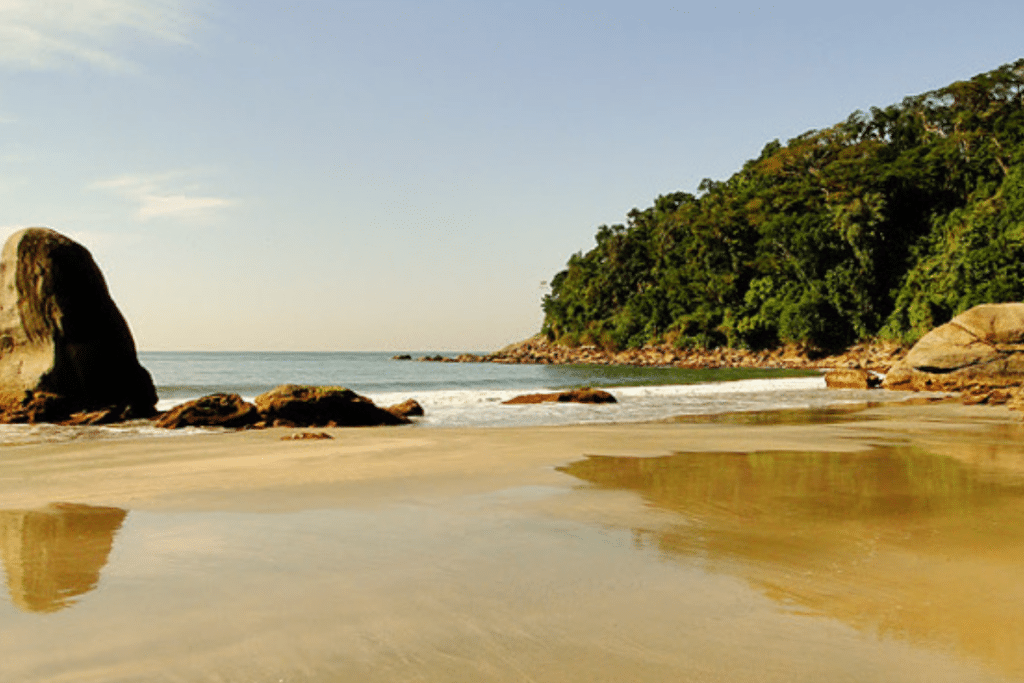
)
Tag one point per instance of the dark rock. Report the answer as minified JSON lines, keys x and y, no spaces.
{"x":311,"y":406}
{"x":984,"y":396}
{"x":305,"y":436}
{"x":64,"y":346}
{"x":215,"y":410}
{"x":1000,"y":397}
{"x":401,"y":356}
{"x":573,"y":396}
{"x":851,"y":379}
{"x":96,"y":417}
{"x":975,"y":398}
{"x":409,"y":408}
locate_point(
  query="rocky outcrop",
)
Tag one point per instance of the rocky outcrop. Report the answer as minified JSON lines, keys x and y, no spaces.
{"x":296,"y":405}
{"x":408,"y":408}
{"x":572,"y":396}
{"x":983,"y":346}
{"x":215,"y":410}
{"x":878,"y":356}
{"x":851,"y":379}
{"x":64,"y":346}
{"x":461,"y":358}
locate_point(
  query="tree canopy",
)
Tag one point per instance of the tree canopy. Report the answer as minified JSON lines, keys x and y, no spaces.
{"x":881,"y":226}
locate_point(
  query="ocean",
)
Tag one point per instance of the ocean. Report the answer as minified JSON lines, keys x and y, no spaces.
{"x":469,"y":394}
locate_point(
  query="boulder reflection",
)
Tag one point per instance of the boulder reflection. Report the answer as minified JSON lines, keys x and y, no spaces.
{"x":898,"y":541}
{"x":54,"y":554}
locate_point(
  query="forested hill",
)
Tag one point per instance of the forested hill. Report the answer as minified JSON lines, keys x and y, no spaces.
{"x":881,"y":226}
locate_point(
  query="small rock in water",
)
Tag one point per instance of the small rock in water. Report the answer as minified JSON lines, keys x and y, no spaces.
{"x":586,"y":395}
{"x":408,"y":408}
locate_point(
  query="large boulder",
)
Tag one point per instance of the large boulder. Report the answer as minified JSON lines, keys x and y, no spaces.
{"x":981,"y":346}
{"x":61,"y":334}
{"x":312,"y":406}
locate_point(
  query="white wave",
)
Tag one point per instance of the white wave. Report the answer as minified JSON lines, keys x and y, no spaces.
{"x":485,"y":408}
{"x":16,"y":434}
{"x":480,"y":408}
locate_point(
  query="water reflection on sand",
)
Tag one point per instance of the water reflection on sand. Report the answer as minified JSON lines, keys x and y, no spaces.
{"x":54,"y":554}
{"x":898,"y":541}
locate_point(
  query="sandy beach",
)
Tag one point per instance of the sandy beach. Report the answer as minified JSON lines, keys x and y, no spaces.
{"x":883,"y":544}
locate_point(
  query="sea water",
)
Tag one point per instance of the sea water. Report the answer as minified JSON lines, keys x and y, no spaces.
{"x":468,"y":394}
{"x":472,"y":394}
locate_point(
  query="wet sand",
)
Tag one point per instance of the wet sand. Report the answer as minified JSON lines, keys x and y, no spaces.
{"x":879,"y":545}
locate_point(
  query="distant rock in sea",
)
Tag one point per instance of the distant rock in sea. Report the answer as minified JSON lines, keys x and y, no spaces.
{"x":64,"y":346}
{"x":571,"y":396}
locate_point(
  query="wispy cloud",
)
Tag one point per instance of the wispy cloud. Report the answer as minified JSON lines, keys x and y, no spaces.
{"x":164,"y":195}
{"x":52,"y":34}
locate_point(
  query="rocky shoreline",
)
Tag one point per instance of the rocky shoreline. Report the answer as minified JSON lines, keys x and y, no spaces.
{"x":861,"y":366}
{"x":877,"y":357}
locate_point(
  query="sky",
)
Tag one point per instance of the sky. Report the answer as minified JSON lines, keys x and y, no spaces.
{"x":408,"y":175}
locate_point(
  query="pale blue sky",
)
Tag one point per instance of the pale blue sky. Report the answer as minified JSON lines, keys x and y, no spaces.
{"x":394,"y":175}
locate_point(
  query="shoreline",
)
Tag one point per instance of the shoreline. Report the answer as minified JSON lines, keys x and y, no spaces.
{"x":363,"y":463}
{"x":537,"y":350}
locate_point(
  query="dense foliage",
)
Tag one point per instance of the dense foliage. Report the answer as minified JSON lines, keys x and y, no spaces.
{"x":884,"y":225}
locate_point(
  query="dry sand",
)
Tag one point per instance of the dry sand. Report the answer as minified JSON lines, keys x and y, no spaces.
{"x":887,"y":546}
